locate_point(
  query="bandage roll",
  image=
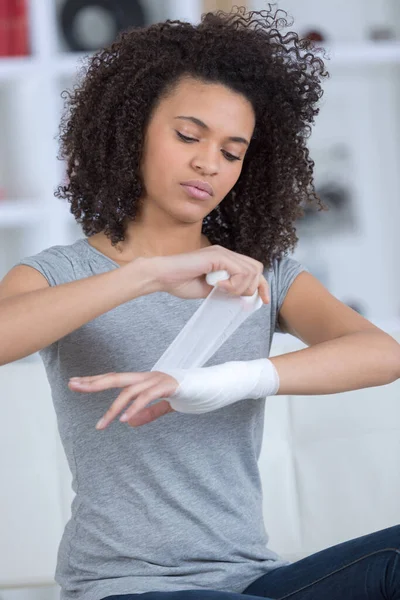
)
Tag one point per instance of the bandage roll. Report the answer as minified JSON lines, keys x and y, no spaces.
{"x":206,"y":389}
{"x":212,"y":324}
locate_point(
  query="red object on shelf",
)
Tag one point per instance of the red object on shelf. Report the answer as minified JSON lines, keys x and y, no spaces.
{"x":4,"y":27}
{"x":314,"y":36}
{"x":19,"y":28}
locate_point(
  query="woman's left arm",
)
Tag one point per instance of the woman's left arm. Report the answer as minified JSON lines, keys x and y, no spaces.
{"x":345,"y":351}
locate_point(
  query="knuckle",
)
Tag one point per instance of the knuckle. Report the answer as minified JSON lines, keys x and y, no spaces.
{"x":109,"y":375}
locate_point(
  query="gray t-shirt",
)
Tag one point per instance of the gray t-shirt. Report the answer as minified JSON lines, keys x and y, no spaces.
{"x":175,"y":504}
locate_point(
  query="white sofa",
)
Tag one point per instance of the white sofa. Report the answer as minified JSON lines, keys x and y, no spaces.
{"x":329,"y":464}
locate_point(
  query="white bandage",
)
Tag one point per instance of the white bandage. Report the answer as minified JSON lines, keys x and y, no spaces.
{"x":204,"y":389}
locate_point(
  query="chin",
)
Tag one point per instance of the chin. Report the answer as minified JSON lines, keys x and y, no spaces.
{"x":189,"y":206}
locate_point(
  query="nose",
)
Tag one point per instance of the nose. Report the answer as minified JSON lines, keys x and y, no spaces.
{"x":206,"y":162}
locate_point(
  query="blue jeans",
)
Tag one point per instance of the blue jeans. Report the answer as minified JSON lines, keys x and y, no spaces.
{"x":365,"y":568}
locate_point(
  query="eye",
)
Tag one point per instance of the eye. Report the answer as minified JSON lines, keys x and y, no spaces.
{"x":185,"y":138}
{"x":230,"y":157}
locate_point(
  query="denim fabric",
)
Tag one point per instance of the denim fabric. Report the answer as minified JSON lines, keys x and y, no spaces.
{"x":364,"y":568}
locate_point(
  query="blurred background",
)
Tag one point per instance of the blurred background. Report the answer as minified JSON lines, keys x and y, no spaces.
{"x":354,"y":248}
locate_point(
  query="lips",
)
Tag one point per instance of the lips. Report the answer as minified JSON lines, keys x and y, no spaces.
{"x":195,"y":192}
{"x":200,"y":185}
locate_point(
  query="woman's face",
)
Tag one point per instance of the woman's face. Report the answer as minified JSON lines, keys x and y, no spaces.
{"x":200,"y":132}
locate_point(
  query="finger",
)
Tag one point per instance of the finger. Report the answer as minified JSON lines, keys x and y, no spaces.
{"x":126,"y":396}
{"x":154,"y":393}
{"x":151,"y":413}
{"x":229,"y":260}
{"x":241,"y":284}
{"x":108,"y":381}
{"x":265,"y":286}
{"x":249,"y":284}
{"x":234,"y":284}
{"x":263,"y":290}
{"x":165,"y":382}
{"x":91,"y":378}
{"x":259,"y":284}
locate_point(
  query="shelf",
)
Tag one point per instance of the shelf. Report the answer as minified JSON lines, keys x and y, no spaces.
{"x":27,"y":211}
{"x":68,"y":63}
{"x":18,"y":67}
{"x":20,"y":213}
{"x":364,"y":54}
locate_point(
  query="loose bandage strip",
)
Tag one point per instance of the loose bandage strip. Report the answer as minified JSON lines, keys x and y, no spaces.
{"x":212,"y":324}
{"x":205,"y":389}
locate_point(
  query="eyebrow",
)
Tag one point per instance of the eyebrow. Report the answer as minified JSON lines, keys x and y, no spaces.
{"x":204,"y":126}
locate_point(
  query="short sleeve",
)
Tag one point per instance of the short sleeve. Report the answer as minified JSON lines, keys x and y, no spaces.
{"x":53,"y":264}
{"x":286,"y":270}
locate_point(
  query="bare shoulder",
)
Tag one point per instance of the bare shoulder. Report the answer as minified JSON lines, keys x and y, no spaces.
{"x":20,"y":280}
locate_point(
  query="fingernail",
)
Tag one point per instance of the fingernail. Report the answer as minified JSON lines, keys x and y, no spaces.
{"x":124,"y":417}
{"x":74,"y":378}
{"x":100,"y":423}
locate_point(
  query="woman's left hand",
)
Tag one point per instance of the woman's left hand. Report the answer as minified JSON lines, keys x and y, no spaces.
{"x":141,"y":388}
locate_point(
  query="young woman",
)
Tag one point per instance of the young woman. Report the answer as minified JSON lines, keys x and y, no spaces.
{"x":186,"y":151}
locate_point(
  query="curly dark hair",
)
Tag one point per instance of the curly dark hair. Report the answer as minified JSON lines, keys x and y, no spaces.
{"x":102,"y":129}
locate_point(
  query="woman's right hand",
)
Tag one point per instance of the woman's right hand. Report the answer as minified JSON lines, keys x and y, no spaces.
{"x":184,"y":275}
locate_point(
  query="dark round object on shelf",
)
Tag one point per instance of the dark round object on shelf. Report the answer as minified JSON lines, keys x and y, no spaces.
{"x":336,"y":196}
{"x":118,"y":15}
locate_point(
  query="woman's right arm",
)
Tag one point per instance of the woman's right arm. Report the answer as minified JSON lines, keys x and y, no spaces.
{"x":33,"y":314}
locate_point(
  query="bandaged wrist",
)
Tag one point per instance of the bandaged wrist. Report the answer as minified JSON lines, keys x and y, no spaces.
{"x":207,"y":388}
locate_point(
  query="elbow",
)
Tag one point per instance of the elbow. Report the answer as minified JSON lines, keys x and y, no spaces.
{"x":397,"y":369}
{"x":393,"y":359}
{"x":387,"y":353}
{"x":395,"y":375}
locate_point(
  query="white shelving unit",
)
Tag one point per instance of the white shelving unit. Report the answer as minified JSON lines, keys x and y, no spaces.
{"x":30,"y":109}
{"x":348,"y":55}
{"x":53,"y":67}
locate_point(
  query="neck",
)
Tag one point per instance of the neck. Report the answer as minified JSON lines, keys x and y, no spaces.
{"x":150,"y":240}
{"x":152,"y":234}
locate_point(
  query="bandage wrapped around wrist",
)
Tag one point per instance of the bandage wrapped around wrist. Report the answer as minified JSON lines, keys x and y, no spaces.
{"x":204,"y":389}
